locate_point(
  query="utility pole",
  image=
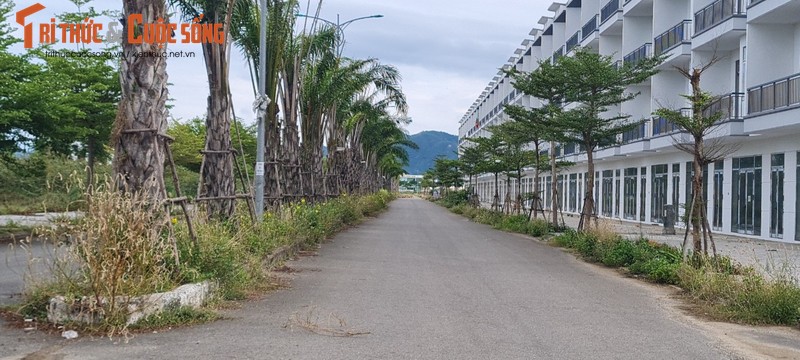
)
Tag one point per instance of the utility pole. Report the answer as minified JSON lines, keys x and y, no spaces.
{"x":260,"y":108}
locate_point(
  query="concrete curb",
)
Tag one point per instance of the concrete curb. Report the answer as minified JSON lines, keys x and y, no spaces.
{"x":87,"y":310}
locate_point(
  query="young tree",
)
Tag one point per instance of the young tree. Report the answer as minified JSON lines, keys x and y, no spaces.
{"x":548,"y":84}
{"x":492,"y":162}
{"x":699,"y":125}
{"x":532,"y":125}
{"x":594,"y":83}
{"x":471,"y":160}
{"x":514,"y":139}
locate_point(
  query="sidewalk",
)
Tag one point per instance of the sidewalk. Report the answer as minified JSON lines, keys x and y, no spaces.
{"x":770,"y":257}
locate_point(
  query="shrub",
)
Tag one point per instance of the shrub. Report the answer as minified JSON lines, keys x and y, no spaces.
{"x":538,"y":227}
{"x":565,"y":240}
{"x":488,"y":217}
{"x":459,"y":209}
{"x":617,"y":253}
{"x":454,"y":198}
{"x":514,"y":223}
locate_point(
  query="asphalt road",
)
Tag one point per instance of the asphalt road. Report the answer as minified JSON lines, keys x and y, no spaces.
{"x":421,"y":283}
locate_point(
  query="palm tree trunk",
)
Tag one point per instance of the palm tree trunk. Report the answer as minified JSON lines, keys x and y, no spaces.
{"x":218,"y":179}
{"x":142,"y":116}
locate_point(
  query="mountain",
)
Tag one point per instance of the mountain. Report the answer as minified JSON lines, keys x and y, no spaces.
{"x":431,"y":145}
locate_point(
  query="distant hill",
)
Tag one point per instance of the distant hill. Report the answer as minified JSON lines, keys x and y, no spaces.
{"x":431,"y":144}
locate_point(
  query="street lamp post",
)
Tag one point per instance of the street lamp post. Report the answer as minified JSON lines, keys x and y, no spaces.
{"x":339,"y":26}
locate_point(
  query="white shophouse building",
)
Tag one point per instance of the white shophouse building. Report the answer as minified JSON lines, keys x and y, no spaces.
{"x":753,"y":192}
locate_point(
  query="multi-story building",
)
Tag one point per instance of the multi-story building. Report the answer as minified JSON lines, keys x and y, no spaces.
{"x":755,"y":47}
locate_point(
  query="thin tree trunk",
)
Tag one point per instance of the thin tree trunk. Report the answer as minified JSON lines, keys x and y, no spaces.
{"x":588,"y":199}
{"x":697,"y":188}
{"x":554,"y":183}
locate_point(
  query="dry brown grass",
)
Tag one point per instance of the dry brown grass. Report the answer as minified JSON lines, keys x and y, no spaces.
{"x":331,"y":324}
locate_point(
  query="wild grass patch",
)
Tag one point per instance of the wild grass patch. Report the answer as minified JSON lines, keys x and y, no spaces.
{"x":124,"y":247}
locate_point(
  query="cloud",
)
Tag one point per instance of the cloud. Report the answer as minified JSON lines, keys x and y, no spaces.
{"x":446,"y":52}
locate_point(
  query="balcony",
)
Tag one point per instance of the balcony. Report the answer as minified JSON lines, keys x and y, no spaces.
{"x":717,"y":13}
{"x":635,"y":134}
{"x":729,"y":107}
{"x":590,"y":27}
{"x":670,"y":39}
{"x":662,"y":126}
{"x":573,"y":41}
{"x":609,"y":9}
{"x":774,"y":96}
{"x":558,"y":53}
{"x":637,"y":55}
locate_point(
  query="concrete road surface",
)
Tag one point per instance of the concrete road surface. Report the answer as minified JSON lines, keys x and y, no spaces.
{"x":421,"y":283}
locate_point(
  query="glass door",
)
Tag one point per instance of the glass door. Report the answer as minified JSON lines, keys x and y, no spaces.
{"x":659,"y":191}
{"x":776,"y":196}
{"x":747,"y":195}
{"x":717,"y":215}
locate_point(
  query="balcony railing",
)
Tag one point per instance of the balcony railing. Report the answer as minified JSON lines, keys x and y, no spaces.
{"x":637,"y":133}
{"x":774,"y":95}
{"x":558,"y":53}
{"x":716,"y":13}
{"x":589,"y":27}
{"x":573,"y":41}
{"x":638,"y":55}
{"x":609,"y":9}
{"x":728,"y":106}
{"x":664,"y":126}
{"x":672,"y":37}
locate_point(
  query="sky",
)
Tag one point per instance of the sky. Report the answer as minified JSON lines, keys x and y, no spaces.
{"x":446,"y":51}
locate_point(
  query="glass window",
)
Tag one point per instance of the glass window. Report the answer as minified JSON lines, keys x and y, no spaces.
{"x":716,"y":222}
{"x":629,"y":194}
{"x":608,"y":193}
{"x":643,"y":193}
{"x":776,"y":196}
{"x":676,"y":189}
{"x":659,"y":192}
{"x":617,"y":193}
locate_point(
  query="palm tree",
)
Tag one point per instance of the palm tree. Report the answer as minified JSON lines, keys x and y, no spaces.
{"x":142,"y":114}
{"x":217,"y":184}
{"x":245,"y":35}
{"x":385,"y":147}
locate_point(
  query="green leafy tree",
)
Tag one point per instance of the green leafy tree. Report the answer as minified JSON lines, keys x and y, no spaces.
{"x":531,"y":123}
{"x":471,"y":160}
{"x":515,"y":156}
{"x":492,"y":150}
{"x":190,"y":140}
{"x":548,"y":84}
{"x":595,"y":83}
